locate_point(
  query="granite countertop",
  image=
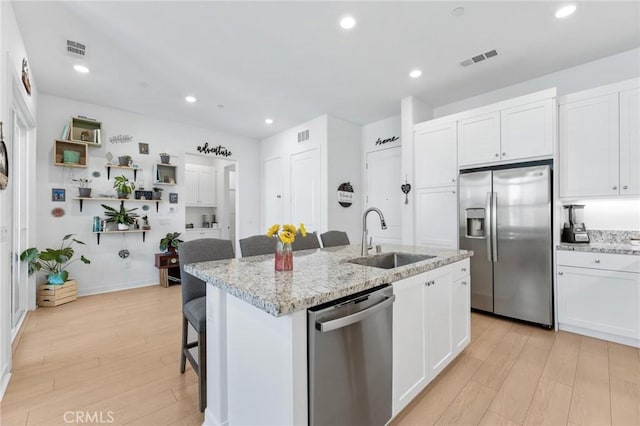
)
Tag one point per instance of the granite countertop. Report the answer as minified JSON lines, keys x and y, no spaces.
{"x":318,"y":276}
{"x":611,"y":248}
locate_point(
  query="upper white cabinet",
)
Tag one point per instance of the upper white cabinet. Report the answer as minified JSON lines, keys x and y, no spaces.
{"x":435,"y":155}
{"x":630,"y":142}
{"x":479,"y":139}
{"x":527,"y":130}
{"x":201,"y":183}
{"x":437,"y":217}
{"x":599,"y":142}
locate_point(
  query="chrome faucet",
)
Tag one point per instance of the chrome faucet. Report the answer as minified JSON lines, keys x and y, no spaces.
{"x":365,"y":248}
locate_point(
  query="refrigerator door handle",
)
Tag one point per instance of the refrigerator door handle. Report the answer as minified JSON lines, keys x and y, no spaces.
{"x":494,"y":226}
{"x":488,"y":236}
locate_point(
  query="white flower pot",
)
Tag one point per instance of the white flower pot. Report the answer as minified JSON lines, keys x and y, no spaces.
{"x":123,"y":227}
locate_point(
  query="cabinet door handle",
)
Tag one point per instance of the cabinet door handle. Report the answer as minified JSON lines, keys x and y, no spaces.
{"x":464,"y":282}
{"x":614,"y":188}
{"x":597,"y":260}
{"x":497,"y":155}
{"x":625,"y":187}
{"x":464,"y":269}
{"x":453,"y":180}
{"x":504,"y":154}
{"x":453,"y":192}
{"x":278,"y":196}
{"x":560,"y":273}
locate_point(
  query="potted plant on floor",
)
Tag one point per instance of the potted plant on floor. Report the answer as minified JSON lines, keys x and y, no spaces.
{"x":123,"y":186}
{"x":83,"y":187}
{"x":170,"y":242}
{"x":122,"y":217}
{"x":53,"y":261}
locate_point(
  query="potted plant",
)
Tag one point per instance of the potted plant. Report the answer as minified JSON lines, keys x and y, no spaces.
{"x":124,"y":186}
{"x":53,"y":261}
{"x":165,"y":158}
{"x":145,"y":222}
{"x":122,"y":217}
{"x":83,"y":188}
{"x":157,"y":193}
{"x":170,"y":242}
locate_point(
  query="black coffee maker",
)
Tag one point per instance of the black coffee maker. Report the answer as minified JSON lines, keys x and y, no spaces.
{"x":574,"y":230}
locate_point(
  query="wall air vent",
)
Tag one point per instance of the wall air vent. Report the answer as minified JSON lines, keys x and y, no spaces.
{"x":479,"y":58}
{"x":303,"y":136}
{"x":75,"y":48}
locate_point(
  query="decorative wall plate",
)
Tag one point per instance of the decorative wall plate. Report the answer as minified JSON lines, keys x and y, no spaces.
{"x":57,"y":212}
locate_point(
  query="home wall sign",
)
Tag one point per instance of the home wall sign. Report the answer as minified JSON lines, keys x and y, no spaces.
{"x":215,"y":150}
{"x":25,"y":77}
{"x":381,"y":141}
{"x":121,"y":139}
{"x":345,"y":194}
{"x":4,"y":162}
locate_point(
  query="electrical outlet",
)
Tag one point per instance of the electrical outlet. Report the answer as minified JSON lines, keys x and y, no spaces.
{"x":172,"y":209}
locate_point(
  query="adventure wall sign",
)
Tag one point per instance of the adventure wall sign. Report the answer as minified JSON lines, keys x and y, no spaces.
{"x":381,"y":141}
{"x":215,"y":150}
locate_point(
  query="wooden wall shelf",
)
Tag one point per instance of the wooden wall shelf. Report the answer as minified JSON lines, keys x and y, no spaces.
{"x":92,"y":127}
{"x":130,"y":231}
{"x":122,"y":201}
{"x":165,"y":174}
{"x":115,"y":166}
{"x":60,"y":146}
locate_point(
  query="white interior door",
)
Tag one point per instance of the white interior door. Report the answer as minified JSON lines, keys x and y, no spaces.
{"x":384,"y":178}
{"x":19,"y":184}
{"x":230,"y":191}
{"x":272,"y":192}
{"x":305,"y":189}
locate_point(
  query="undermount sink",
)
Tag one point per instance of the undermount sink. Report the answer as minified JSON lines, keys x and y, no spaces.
{"x":390,"y":260}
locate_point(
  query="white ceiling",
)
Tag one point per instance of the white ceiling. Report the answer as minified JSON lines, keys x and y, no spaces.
{"x":292,"y":62}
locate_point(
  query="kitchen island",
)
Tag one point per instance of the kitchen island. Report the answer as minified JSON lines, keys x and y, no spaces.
{"x":257,"y":325}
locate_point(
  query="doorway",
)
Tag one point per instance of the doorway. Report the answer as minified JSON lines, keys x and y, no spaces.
{"x":383,"y":180}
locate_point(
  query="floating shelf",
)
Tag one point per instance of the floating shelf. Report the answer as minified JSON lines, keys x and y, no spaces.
{"x":122,"y":201}
{"x":129,"y":231}
{"x":61,"y":146}
{"x":115,"y":166}
{"x":89,"y":127}
{"x":165,"y":174}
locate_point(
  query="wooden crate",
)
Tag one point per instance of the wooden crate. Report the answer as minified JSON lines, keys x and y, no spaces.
{"x":55,"y":295}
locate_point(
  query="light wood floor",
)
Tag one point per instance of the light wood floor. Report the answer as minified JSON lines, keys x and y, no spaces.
{"x":513,"y":374}
{"x":117,"y":354}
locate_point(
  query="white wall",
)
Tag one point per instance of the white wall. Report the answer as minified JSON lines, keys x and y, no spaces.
{"x":12,"y":95}
{"x":108,"y":271}
{"x":610,"y":69}
{"x":344,"y":165}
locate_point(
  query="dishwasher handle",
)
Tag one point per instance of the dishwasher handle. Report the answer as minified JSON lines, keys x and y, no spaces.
{"x":353,"y":318}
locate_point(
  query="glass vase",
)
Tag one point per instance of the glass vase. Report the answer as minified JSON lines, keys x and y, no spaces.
{"x":284,"y":256}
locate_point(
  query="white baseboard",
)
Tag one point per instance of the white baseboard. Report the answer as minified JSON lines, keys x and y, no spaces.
{"x":209,"y":419}
{"x":600,"y":335}
{"x":115,"y":287}
{"x":4,"y":383}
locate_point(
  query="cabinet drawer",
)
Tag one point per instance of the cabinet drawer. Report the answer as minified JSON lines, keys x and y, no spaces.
{"x":611,"y":262}
{"x":460,"y":269}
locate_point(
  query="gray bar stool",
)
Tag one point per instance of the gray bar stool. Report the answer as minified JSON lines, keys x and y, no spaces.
{"x":305,"y":243}
{"x":257,"y":245}
{"x":334,"y":238}
{"x":194,"y":307}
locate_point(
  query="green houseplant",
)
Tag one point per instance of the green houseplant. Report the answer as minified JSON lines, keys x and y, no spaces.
{"x":124,"y":186}
{"x":170,"y":242}
{"x":122,"y":217}
{"x":54,"y":261}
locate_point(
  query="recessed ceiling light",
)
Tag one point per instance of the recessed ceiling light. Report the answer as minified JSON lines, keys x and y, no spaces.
{"x":565,"y":11}
{"x":347,"y":22}
{"x":190,"y":99}
{"x":268,"y":120}
{"x":415,"y":73}
{"x":458,"y":11}
{"x":81,"y":69}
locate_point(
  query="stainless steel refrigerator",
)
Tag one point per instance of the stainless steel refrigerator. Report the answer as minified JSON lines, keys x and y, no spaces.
{"x":505,"y":218}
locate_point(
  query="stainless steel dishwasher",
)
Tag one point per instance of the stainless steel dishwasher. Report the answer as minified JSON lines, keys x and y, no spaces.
{"x":350,"y":359}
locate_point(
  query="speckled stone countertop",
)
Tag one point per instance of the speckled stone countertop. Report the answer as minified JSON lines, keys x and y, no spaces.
{"x":318,"y":276}
{"x":630,"y":249}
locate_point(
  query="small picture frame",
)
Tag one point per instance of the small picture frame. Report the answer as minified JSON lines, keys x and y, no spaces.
{"x":143,"y":148}
{"x":58,"y":194}
{"x":173,"y":198}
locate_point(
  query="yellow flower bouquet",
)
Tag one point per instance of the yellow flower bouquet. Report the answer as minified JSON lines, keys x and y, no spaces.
{"x":285,"y":236}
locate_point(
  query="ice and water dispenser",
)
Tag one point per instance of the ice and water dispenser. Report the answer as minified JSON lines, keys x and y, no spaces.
{"x":476,"y":223}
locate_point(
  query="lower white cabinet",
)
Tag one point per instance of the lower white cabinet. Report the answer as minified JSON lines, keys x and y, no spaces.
{"x":197,"y":233}
{"x":601,"y":303}
{"x":431,"y":318}
{"x":436,"y":217}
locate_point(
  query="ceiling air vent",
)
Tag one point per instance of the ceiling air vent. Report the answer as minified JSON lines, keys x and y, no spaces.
{"x":303,"y":136}
{"x":75,"y":48}
{"x":479,"y":58}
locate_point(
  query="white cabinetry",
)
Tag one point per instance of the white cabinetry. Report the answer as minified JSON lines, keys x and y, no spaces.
{"x":527,"y":130}
{"x":435,"y":155}
{"x":600,"y":141}
{"x":201,"y":184}
{"x":479,"y":139}
{"x":195,"y":234}
{"x":430,"y":328}
{"x":437,"y":217}
{"x":599,"y":296}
